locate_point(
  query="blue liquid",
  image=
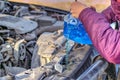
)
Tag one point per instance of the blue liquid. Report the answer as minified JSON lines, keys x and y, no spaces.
{"x":74,"y":30}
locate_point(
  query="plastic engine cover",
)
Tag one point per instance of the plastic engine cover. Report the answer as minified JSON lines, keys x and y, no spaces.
{"x":20,"y":25}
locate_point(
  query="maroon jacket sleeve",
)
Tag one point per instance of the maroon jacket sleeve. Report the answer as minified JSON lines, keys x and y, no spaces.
{"x":104,"y":38}
{"x":109,"y":15}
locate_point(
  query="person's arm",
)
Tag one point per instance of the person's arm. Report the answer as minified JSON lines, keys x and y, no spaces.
{"x":104,"y":38}
{"x":109,"y":15}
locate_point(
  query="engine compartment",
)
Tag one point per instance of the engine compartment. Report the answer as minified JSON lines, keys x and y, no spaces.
{"x":32,"y":45}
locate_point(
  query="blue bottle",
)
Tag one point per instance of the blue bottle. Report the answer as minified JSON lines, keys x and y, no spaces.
{"x":74,"y":30}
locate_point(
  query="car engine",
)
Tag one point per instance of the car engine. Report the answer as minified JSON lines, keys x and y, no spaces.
{"x":32,"y":47}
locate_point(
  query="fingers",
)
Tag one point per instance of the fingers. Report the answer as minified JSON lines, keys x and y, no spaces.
{"x":73,"y":13}
{"x":73,"y":7}
{"x":76,"y":15}
{"x":76,"y":8}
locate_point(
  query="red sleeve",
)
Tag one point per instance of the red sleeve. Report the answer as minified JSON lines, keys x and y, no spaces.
{"x":104,"y":38}
{"x":109,"y":15}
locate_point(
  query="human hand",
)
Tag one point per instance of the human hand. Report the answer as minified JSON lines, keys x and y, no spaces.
{"x":76,"y":8}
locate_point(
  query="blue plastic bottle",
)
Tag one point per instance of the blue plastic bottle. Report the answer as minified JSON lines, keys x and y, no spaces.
{"x":74,"y":30}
